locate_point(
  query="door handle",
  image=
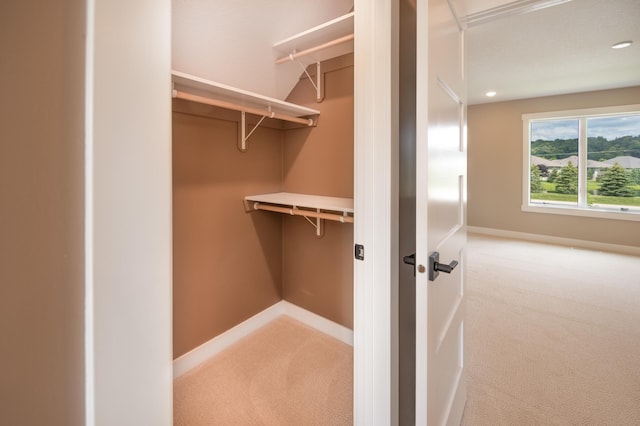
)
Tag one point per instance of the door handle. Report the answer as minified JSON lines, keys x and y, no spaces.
{"x":410,"y":260}
{"x":435,"y":267}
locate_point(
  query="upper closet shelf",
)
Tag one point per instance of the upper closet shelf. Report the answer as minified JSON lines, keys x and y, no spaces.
{"x":328,"y":40}
{"x":309,"y":206}
{"x":208,"y":92}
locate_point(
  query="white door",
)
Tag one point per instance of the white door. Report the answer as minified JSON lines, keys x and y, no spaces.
{"x":440,"y":215}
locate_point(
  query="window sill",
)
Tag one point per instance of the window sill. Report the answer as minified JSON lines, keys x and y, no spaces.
{"x":593,"y":212}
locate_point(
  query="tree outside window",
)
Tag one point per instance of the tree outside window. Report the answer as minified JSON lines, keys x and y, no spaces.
{"x":616,"y":182}
{"x":567,"y":181}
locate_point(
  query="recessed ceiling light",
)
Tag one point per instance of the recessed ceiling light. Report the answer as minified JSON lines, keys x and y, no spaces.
{"x":622,"y":44}
{"x":490,"y":94}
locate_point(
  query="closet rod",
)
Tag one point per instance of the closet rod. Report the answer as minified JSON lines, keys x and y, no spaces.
{"x":228,"y":105}
{"x":306,"y":213}
{"x":326,"y":45}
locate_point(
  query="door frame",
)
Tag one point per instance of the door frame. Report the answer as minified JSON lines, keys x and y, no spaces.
{"x":376,"y":205}
{"x":376,"y":63}
{"x":127,"y":218}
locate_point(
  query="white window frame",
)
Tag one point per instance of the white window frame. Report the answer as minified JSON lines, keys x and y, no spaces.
{"x":581,"y":209}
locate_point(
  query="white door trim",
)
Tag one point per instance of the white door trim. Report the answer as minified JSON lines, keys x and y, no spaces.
{"x":376,"y":211}
{"x":128,"y":213}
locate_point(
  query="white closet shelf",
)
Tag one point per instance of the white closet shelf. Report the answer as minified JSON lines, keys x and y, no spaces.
{"x":192,"y":88}
{"x":308,"y":206}
{"x":328,"y":40}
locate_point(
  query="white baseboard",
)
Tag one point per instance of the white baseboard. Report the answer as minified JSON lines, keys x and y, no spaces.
{"x":198,"y":355}
{"x":591,"y":245}
{"x":221,"y":342}
{"x":321,"y":324}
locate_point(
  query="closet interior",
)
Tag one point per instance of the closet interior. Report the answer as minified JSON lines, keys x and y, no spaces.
{"x":263,"y":190}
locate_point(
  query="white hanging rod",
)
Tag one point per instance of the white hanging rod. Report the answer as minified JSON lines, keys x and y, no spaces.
{"x":306,"y":213}
{"x":228,"y":105}
{"x":310,"y":50}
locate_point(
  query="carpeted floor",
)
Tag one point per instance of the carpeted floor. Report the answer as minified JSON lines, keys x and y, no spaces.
{"x":552,"y":335}
{"x":552,"y":338}
{"x":283,"y":374}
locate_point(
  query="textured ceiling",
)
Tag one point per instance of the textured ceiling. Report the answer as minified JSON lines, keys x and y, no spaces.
{"x":561,"y":49}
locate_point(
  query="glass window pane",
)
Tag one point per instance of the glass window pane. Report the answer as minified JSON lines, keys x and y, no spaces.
{"x":613,"y":162}
{"x":554,"y":162}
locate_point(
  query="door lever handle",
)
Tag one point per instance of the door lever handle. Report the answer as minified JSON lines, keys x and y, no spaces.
{"x":435,"y":267}
{"x":446,"y":268}
{"x":410,"y":260}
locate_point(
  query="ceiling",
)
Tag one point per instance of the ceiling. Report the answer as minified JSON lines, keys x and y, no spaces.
{"x":561,"y":49}
{"x":231,"y":41}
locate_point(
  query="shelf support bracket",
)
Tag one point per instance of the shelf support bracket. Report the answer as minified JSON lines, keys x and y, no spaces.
{"x":318,"y":224}
{"x":318,"y":81}
{"x":242,"y":134}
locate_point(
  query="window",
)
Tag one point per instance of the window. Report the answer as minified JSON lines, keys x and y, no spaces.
{"x":583,"y":162}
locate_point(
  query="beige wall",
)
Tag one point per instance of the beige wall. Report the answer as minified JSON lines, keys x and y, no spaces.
{"x":495,"y":170}
{"x":41,"y":212}
{"x":230,"y":265}
{"x":227,"y":263}
{"x":318,"y":272}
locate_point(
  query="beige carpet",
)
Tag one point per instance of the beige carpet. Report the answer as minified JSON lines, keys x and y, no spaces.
{"x":552,"y":338}
{"x":283,"y":374}
{"x":553,"y":335}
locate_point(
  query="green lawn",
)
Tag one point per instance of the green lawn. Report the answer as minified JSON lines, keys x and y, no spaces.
{"x":552,"y":196}
{"x":549,"y":194}
{"x":616,"y":201}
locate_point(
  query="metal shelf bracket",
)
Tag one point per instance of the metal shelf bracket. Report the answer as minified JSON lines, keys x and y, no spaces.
{"x":243,"y":136}
{"x":318,"y":80}
{"x":318,"y":224}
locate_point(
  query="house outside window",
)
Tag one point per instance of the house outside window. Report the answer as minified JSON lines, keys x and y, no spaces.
{"x":583,"y":162}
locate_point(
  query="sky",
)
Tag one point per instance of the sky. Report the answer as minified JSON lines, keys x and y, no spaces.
{"x":608,"y":127}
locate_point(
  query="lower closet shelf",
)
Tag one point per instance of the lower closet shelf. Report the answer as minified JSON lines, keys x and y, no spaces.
{"x":308,"y":206}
